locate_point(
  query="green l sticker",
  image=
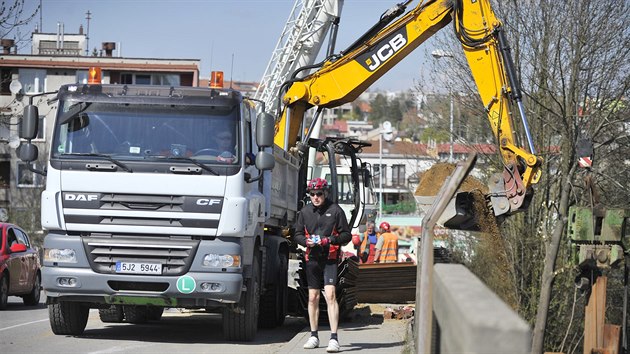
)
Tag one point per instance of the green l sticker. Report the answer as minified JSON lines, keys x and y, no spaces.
{"x":186,"y":284}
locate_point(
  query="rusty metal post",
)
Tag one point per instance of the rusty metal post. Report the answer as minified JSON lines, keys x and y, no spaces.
{"x":424,"y":275}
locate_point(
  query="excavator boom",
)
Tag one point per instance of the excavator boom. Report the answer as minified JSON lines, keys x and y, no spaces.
{"x":342,"y":78}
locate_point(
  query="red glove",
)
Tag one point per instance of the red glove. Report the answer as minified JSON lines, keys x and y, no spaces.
{"x":325,"y":241}
{"x":356,"y":240}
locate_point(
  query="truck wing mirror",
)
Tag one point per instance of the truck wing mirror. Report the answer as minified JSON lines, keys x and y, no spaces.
{"x":265,"y":129}
{"x":265,"y":161}
{"x":30,"y":121}
{"x":27,"y":152}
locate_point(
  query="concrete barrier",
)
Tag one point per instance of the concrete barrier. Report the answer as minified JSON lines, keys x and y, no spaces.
{"x":471,"y":318}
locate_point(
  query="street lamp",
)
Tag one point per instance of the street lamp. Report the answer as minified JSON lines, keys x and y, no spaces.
{"x":437,"y":54}
{"x":387,"y":131}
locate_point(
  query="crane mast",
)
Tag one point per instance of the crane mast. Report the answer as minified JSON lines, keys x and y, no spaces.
{"x":298,"y":45}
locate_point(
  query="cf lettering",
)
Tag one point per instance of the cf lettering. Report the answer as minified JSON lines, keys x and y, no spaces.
{"x":208,"y":202}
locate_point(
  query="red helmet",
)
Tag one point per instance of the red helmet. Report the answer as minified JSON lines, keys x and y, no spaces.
{"x":317,"y":183}
{"x":384,"y":226}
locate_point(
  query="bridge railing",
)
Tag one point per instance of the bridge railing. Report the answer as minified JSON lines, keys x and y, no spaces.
{"x":470,"y":318}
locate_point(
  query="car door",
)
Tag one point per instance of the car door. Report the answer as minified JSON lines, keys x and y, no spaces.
{"x":29,"y":259}
{"x":15,"y":264}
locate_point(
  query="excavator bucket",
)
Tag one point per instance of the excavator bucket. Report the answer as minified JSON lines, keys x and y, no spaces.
{"x":475,"y":206}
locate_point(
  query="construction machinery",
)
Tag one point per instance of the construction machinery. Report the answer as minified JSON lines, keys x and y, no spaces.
{"x":342,"y":77}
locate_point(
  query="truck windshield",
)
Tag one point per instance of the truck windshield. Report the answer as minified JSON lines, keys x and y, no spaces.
{"x":136,"y":131}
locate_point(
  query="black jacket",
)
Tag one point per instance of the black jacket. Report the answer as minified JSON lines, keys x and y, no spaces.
{"x":327,"y":220}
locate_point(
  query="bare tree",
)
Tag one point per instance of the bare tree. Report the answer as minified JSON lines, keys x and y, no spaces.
{"x":13,"y":16}
{"x":574,"y":59}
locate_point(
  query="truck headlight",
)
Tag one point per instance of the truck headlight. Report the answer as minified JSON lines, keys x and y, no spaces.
{"x":60,"y":255}
{"x":221,"y":260}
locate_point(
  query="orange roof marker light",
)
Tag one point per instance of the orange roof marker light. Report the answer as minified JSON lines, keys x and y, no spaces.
{"x":216,"y":79}
{"x":94,"y":76}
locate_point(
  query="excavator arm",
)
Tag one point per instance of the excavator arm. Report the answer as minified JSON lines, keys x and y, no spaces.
{"x":342,"y":78}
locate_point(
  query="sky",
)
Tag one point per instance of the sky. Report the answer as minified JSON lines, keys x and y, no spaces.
{"x":233,"y":36}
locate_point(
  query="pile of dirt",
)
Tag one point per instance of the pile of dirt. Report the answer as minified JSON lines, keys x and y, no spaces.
{"x":491,"y":261}
{"x":432,"y":179}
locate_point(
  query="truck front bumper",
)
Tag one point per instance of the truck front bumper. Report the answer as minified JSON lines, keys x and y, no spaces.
{"x":194,"y":289}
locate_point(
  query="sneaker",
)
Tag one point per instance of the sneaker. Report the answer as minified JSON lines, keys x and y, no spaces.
{"x":333,"y":346}
{"x":312,"y":343}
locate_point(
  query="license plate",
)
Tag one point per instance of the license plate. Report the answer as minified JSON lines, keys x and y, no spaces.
{"x":138,"y":268}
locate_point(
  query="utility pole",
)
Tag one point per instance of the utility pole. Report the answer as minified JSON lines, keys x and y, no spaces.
{"x":87,"y":36}
{"x":437,"y":54}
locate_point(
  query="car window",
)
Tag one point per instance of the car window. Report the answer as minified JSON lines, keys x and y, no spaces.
{"x":22,"y":238}
{"x":11,"y":238}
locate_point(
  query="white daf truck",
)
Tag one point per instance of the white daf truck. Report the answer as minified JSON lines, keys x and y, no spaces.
{"x":166,"y":197}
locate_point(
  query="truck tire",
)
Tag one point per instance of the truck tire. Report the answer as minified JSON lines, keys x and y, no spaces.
{"x":273,"y":301}
{"x":32,"y":298}
{"x":155,"y":313}
{"x":243,"y":326}
{"x":4,"y":291}
{"x":136,"y":314}
{"x":112,"y":314}
{"x":68,"y":318}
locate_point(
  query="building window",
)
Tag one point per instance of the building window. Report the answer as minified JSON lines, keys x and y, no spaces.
{"x":150,"y":79}
{"x":398,"y":175}
{"x":82,"y":77}
{"x":27,"y":178}
{"x":32,"y":80}
{"x":5,"y":81}
{"x":143,"y":79}
{"x":165,"y":79}
{"x":5,"y":174}
{"x":126,"y":79}
{"x":380,"y":171}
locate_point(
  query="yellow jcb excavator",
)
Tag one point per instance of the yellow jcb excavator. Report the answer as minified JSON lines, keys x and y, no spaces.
{"x":343,"y":77}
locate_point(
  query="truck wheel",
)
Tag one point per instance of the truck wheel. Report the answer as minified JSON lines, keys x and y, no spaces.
{"x":32,"y":298}
{"x":4,"y":291}
{"x":273,"y":308}
{"x":155,"y":313}
{"x":136,"y":314}
{"x":68,"y":317}
{"x":112,"y":314}
{"x":243,"y":326}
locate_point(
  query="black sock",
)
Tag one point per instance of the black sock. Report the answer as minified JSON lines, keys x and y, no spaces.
{"x":314,"y":334}
{"x":333,"y":336}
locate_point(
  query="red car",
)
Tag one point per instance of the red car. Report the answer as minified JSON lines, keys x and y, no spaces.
{"x":20,"y":273}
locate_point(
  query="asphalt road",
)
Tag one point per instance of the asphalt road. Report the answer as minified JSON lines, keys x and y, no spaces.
{"x":25,"y":329}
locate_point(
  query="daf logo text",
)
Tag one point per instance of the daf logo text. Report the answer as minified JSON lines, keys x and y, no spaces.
{"x":79,"y":197}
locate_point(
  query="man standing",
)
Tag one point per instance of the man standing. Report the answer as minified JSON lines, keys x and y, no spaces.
{"x":322,"y":228}
{"x":369,"y":240}
{"x":387,"y":246}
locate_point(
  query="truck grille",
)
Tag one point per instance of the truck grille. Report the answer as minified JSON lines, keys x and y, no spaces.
{"x":174,"y":256}
{"x":85,"y":210}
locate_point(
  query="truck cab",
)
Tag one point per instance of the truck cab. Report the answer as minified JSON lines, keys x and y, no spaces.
{"x":156,"y":197}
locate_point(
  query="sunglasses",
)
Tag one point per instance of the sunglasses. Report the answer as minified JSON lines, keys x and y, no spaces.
{"x":319,"y":194}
